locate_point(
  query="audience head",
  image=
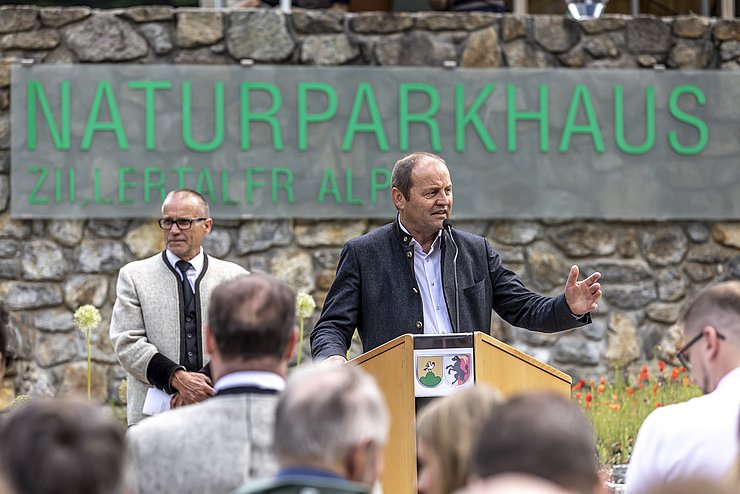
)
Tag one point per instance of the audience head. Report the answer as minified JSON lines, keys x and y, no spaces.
{"x":251,"y":322}
{"x":60,"y":446}
{"x":446,"y":431}
{"x":541,"y":434}
{"x":711,"y":333}
{"x":335,"y":419}
{"x":4,"y":353}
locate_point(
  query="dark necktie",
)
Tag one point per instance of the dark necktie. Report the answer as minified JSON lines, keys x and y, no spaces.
{"x":187,"y":290}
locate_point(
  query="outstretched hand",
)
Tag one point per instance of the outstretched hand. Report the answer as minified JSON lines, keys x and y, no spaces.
{"x":581,"y":296}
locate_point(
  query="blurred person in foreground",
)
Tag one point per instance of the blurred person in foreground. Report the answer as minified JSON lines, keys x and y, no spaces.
{"x":697,"y":438}
{"x":446,"y":430}
{"x":217,"y":445}
{"x":331,"y":428}
{"x":4,"y":353}
{"x":541,"y":434}
{"x":60,"y":446}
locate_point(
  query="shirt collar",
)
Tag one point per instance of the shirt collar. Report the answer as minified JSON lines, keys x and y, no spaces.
{"x":413,"y":241}
{"x":258,"y":379}
{"x":196,"y":262}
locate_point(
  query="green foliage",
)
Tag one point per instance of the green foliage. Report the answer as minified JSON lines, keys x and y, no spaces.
{"x":618,"y":407}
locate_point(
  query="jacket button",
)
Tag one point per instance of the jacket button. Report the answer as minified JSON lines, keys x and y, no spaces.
{"x":405,"y":239}
{"x":415,"y":290}
{"x":409,"y":254}
{"x":419,"y":325}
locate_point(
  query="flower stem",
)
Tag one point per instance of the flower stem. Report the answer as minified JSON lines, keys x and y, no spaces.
{"x":89,"y":373}
{"x":300,"y":344}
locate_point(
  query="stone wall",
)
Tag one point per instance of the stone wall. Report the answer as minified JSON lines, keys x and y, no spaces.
{"x":48,"y":268}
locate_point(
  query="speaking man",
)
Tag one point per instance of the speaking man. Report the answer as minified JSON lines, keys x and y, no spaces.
{"x":418,"y":275}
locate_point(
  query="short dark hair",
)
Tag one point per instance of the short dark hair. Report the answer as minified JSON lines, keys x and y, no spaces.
{"x":252,"y":316}
{"x":61,"y":446}
{"x":401,"y":175}
{"x":717,"y":305}
{"x":542,"y":434}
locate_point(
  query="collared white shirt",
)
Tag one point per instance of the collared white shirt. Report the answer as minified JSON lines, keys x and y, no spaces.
{"x":428,"y":274}
{"x":257,"y":379}
{"x":697,"y":438}
{"x":194,"y":272}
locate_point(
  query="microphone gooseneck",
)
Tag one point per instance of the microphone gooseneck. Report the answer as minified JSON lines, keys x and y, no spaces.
{"x":448,"y":226}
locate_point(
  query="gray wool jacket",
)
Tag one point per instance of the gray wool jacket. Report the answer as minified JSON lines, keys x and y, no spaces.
{"x":147,"y":318}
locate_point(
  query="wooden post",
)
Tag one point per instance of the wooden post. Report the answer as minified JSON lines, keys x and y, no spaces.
{"x":520,"y":7}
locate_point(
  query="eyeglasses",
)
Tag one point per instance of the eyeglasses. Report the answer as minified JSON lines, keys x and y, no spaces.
{"x":182,"y":223}
{"x":683,"y":355}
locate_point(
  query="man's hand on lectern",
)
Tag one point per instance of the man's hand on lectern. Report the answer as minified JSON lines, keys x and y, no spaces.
{"x":334,"y":360}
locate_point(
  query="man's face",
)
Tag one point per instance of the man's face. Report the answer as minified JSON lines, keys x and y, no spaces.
{"x":185,"y":244}
{"x":429,"y":201}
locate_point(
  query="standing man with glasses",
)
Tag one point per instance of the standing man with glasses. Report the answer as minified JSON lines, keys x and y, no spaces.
{"x":161,"y":303}
{"x":697,"y":438}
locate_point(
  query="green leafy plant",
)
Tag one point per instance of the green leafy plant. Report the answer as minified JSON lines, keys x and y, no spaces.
{"x":87,"y":318}
{"x":617,"y":407}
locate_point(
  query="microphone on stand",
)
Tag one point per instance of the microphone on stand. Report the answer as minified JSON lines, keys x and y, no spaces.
{"x":448,"y":226}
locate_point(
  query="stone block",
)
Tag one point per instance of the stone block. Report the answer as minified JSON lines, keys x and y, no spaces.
{"x":515,"y":232}
{"x":482,"y":49}
{"x":66,"y":232}
{"x":513,"y":27}
{"x":258,"y":235}
{"x":54,"y":320}
{"x":546,"y":266}
{"x":322,"y":233}
{"x":218,"y":242}
{"x":295,"y":268}
{"x":584,"y":239}
{"x":105,"y":38}
{"x":727,"y":234}
{"x":622,"y":344}
{"x":14,"y":19}
{"x":724,"y":30}
{"x":648,"y":35}
{"x":108,"y":228}
{"x":690,"y":54}
{"x":519,"y":53}
{"x":101,"y":256}
{"x":43,"y":260}
{"x":248,"y":31}
{"x":556,"y":34}
{"x":158,"y":36}
{"x":664,"y":246}
{"x":80,"y":289}
{"x":691,"y":26}
{"x":328,"y":49}
{"x":372,"y":23}
{"x":318,"y":21}
{"x":149,"y":13}
{"x":471,"y":21}
{"x":61,"y":16}
{"x":40,"y":39}
{"x":18,"y":295}
{"x":145,"y":240}
{"x":198,"y":28}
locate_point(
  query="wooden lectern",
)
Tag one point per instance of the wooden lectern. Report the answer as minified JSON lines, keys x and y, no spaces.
{"x":494,"y":363}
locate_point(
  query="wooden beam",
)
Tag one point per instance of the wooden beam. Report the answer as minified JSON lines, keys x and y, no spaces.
{"x":520,"y":7}
{"x":728,"y":9}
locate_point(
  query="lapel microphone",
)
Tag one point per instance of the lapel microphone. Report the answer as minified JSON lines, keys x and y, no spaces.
{"x":447,"y":225}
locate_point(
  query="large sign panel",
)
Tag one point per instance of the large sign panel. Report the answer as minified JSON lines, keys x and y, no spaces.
{"x":105,"y":141}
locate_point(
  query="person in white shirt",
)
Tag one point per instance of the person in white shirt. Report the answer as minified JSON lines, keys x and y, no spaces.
{"x":697,"y":438}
